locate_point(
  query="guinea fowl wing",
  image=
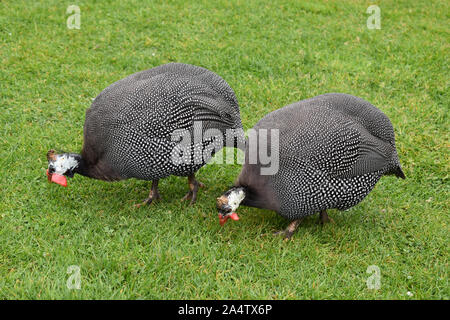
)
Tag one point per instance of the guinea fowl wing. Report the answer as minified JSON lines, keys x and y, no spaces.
{"x":338,"y":147}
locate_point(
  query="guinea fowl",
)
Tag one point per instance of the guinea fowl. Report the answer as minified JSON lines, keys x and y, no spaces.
{"x":332,"y":150}
{"x":142,"y":127}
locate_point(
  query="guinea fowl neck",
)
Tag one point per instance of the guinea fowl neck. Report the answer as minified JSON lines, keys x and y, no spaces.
{"x":95,"y":168}
{"x":237,"y":196}
{"x":82,"y":167}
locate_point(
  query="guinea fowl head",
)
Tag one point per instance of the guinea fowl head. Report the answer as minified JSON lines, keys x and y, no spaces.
{"x":228,"y":202}
{"x":61,"y":166}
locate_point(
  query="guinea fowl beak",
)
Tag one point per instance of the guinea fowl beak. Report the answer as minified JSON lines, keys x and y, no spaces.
{"x":223,"y":219}
{"x":57,"y":178}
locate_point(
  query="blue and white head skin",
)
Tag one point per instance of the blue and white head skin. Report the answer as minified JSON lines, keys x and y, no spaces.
{"x":228,"y":203}
{"x":61,"y":166}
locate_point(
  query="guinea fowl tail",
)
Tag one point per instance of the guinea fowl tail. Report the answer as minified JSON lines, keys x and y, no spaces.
{"x":396,"y":168}
{"x":399,"y":173}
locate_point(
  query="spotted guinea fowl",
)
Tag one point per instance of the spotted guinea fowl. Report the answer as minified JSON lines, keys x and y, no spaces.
{"x":153,"y":124}
{"x":332,"y":150}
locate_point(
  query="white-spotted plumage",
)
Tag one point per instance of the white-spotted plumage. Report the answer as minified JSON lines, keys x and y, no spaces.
{"x":333,"y":149}
{"x":132,"y":122}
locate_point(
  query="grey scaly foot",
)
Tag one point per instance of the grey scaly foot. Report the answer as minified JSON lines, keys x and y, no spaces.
{"x":193,"y":189}
{"x":290,"y":230}
{"x":324,"y":218}
{"x":153,"y":195}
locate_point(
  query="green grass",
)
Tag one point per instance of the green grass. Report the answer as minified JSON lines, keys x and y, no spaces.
{"x":271,"y":55}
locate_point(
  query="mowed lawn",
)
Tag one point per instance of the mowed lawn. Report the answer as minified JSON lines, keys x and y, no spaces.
{"x":271,"y":54}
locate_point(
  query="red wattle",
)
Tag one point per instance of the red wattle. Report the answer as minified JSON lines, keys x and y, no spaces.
{"x":234,"y":216}
{"x":59,"y":179}
{"x":49,"y":177}
{"x":222,"y":219}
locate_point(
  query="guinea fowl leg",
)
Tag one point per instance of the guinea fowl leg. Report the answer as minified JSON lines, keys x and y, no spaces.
{"x":193,"y":189}
{"x":289,"y":231}
{"x":153,"y":195}
{"x":324,"y":218}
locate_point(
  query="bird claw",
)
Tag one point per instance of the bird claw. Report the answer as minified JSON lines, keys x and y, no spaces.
{"x":189,"y":196}
{"x":290,"y":230}
{"x":192,"y":193}
{"x":144,"y":203}
{"x":148,"y":201}
{"x":286,"y":234}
